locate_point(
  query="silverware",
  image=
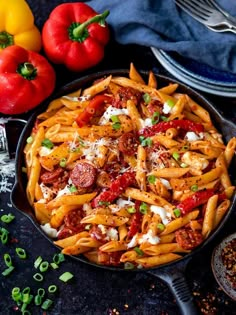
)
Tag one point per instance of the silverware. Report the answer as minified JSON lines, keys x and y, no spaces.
{"x":205,"y":14}
{"x":213,"y":3}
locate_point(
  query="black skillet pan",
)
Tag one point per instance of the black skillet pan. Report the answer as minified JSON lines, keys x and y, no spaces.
{"x":172,"y":273}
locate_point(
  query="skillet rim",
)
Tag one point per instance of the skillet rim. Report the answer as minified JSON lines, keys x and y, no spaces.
{"x":216,"y":116}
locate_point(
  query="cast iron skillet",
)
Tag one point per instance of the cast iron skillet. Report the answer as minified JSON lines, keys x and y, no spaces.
{"x":172,"y":273}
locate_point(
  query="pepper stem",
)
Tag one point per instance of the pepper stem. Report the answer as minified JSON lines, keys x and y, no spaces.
{"x":6,"y":39}
{"x":27,"y":70}
{"x":100,"y":18}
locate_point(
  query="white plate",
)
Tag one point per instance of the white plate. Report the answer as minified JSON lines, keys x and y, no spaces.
{"x":211,"y":86}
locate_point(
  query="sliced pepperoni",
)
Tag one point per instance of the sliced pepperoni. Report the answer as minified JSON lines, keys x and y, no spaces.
{"x":128,"y":143}
{"x":83,"y":175}
{"x":73,"y":218}
{"x":188,"y":239}
{"x":51,"y":177}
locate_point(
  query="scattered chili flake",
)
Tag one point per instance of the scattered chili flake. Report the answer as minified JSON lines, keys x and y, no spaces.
{"x":228,"y":255}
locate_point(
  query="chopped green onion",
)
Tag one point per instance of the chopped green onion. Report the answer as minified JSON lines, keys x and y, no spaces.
{"x":58,"y":258}
{"x":155,"y":118}
{"x":143,"y":208}
{"x":23,"y":307}
{"x":7,"y":271}
{"x":26,"y":312}
{"x":38,"y":262}
{"x":47,"y":143}
{"x":53,"y":265}
{"x":66,"y":276}
{"x":160,"y":226}
{"x":128,"y":265}
{"x":7,"y":260}
{"x":170,"y":103}
{"x":38,"y":277}
{"x":164,"y":118}
{"x":21,"y":253}
{"x":151,"y":179}
{"x":41,"y":292}
{"x":4,"y":235}
{"x":103,"y":203}
{"x":194,"y":188}
{"x":62,"y":162}
{"x":115,"y":119}
{"x":46,"y":304}
{"x":145,"y":141}
{"x":44,"y":266}
{"x":138,"y":251}
{"x":73,"y":189}
{"x":25,"y":298}
{"x":116,"y":125}
{"x":37,"y":300}
{"x":146,"y":98}
{"x":131,"y":210}
{"x":15,"y":294}
{"x":29,"y":139}
{"x":52,"y":288}
{"x":177,"y":212}
{"x":26,"y":290}
{"x":176,"y":156}
{"x":7,"y":218}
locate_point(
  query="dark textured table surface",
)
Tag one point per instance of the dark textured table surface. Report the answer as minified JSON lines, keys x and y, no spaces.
{"x":95,"y":291}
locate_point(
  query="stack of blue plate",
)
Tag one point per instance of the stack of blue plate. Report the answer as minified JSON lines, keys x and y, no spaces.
{"x":197,"y":75}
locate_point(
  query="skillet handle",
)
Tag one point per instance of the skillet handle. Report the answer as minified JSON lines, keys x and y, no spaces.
{"x":174,"y":277}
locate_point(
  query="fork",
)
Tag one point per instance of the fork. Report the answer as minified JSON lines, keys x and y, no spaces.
{"x":215,"y":5}
{"x":204,"y":13}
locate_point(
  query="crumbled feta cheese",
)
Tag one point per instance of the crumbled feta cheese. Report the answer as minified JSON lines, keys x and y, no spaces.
{"x":133,"y":242}
{"x":64,"y":191}
{"x":164,"y":215}
{"x":112,"y":111}
{"x":150,"y":238}
{"x":166,"y":108}
{"x":122,"y":203}
{"x":192,"y":136}
{"x":112,"y":234}
{"x":146,"y":122}
{"x":51,"y":232}
{"x":44,"y":151}
{"x":166,"y":183}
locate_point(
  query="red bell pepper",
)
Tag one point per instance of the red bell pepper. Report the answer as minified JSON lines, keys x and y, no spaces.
{"x":26,"y":79}
{"x":89,"y":111}
{"x":195,"y":200}
{"x":136,"y":220}
{"x":162,"y":126}
{"x":116,"y":188}
{"x":75,"y":35}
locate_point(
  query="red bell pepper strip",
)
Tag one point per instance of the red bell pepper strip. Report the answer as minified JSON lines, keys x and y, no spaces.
{"x":195,"y":200}
{"x":89,"y":111}
{"x":136,"y":220}
{"x":116,"y":188}
{"x":162,"y":126}
{"x":75,"y":35}
{"x":26,"y":79}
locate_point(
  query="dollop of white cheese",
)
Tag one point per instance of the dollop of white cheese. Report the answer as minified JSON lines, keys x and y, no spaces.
{"x":166,"y":183}
{"x":164,"y":215}
{"x":146,"y":122}
{"x":112,"y":111}
{"x":51,"y":232}
{"x":192,"y":136}
{"x":166,"y":108}
{"x":133,"y":242}
{"x":150,"y":238}
{"x":43,"y":151}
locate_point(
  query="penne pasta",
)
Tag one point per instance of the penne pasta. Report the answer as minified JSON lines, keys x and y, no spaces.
{"x":128,"y":172}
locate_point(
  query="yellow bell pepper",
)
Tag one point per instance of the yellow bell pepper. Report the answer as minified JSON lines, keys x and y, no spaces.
{"x":17,"y":26}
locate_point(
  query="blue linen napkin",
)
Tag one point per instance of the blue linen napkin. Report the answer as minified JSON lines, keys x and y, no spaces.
{"x":159,"y":23}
